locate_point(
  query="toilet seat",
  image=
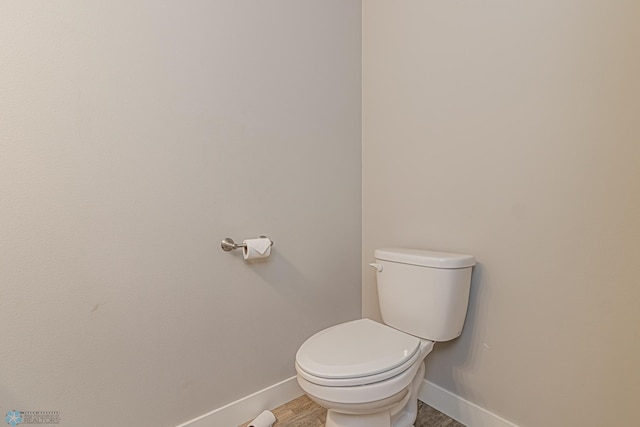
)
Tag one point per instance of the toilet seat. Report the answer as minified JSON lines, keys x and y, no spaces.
{"x":356,"y":353}
{"x":359,"y":394}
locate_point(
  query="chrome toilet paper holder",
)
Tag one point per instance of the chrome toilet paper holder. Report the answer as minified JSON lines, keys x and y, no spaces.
{"x":229,"y":245}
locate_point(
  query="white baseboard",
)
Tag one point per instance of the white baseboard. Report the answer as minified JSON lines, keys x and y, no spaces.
{"x":249,"y":407}
{"x":461,"y":410}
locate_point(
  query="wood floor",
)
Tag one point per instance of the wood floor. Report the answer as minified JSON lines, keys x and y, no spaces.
{"x":302,"y":412}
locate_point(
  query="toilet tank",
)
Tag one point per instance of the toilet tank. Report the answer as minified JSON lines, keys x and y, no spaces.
{"x":424,"y":293}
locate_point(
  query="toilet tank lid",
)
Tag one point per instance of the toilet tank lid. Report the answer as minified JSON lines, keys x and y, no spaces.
{"x":425,"y":258}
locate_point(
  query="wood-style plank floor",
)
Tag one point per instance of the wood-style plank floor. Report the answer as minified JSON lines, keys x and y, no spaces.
{"x":302,"y":412}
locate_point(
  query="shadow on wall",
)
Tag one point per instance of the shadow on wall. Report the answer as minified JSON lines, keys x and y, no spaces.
{"x":460,"y":352}
{"x":294,"y":287}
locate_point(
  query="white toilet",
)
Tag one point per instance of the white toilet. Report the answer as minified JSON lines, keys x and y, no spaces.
{"x":367,"y":374}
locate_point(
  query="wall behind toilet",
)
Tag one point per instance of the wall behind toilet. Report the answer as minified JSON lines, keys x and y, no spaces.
{"x":509,"y":130}
{"x":134,"y":136}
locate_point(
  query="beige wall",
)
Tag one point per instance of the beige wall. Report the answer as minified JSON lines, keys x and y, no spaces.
{"x":510,"y":130}
{"x":134,"y":136}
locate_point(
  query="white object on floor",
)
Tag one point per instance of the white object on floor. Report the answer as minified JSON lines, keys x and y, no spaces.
{"x":265,"y":419}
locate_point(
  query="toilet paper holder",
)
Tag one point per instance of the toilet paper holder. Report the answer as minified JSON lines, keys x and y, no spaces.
{"x":228,"y":244}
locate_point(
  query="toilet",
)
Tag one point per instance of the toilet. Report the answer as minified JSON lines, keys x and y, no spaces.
{"x":367,"y":374}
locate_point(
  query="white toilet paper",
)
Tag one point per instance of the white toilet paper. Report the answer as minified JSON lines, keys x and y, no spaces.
{"x":257,"y":248}
{"x":265,"y":419}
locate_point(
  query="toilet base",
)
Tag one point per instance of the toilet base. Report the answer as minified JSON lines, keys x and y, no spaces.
{"x":336,"y":419}
{"x":399,"y":410}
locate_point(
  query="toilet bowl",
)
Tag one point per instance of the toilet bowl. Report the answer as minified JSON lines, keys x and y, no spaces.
{"x":373,"y":379}
{"x":367,"y":374}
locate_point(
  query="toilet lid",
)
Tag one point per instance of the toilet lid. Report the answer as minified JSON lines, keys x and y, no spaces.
{"x":359,"y":348}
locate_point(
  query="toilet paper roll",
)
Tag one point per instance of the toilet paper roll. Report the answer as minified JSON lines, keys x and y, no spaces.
{"x":265,"y":419}
{"x":257,"y":248}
